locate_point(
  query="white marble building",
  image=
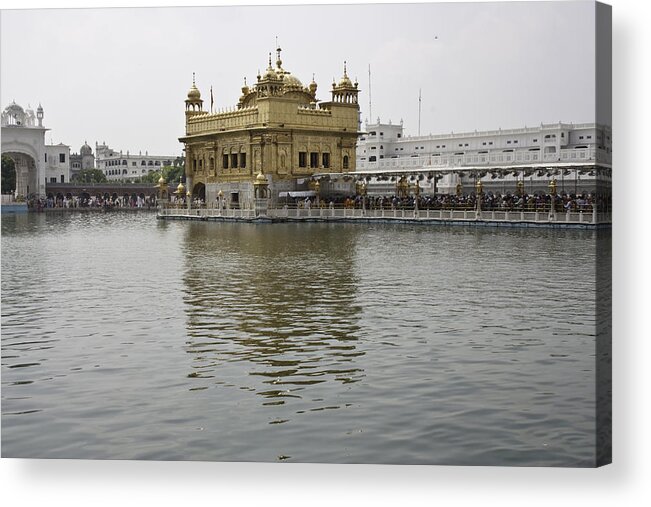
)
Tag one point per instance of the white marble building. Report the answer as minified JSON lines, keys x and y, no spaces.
{"x":37,"y":163}
{"x":23,"y":139}
{"x":117,"y":165}
{"x":510,"y":154}
{"x":57,"y":167}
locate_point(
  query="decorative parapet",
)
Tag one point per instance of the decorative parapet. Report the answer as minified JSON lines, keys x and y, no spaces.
{"x":314,"y":112}
{"x":523,"y":130}
{"x":229,"y":119}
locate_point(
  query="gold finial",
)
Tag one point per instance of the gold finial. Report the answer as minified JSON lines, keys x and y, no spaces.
{"x":270,"y":60}
{"x":193,"y":79}
{"x":260,"y":179}
{"x":279,"y":62}
{"x":345,"y":75}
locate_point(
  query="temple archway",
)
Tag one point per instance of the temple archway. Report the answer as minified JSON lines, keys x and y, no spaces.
{"x":25,"y":174}
{"x":199,"y":191}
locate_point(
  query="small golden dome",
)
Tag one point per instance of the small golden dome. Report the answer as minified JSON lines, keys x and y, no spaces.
{"x":194,"y":93}
{"x":260,"y":179}
{"x":345,"y":80}
{"x":161,"y":181}
{"x":270,"y":73}
{"x":181,"y":188}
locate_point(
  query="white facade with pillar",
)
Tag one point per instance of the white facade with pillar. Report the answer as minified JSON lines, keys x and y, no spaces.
{"x":384,"y":147}
{"x":23,"y":140}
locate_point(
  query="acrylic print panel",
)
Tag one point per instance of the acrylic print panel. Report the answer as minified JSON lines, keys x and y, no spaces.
{"x":213,"y":249}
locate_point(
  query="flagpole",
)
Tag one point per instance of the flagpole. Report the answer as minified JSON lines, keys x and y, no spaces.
{"x":419,"y":104}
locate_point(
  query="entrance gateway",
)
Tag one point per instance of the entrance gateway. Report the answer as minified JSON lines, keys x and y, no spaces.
{"x":23,"y":140}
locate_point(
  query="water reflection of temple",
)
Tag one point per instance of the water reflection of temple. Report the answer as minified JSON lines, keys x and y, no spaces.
{"x":274,"y":307}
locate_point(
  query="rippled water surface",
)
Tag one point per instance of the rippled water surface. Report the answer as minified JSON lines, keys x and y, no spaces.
{"x":124,"y":337}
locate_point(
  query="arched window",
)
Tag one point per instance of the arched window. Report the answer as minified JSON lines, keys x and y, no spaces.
{"x":346,"y":161}
{"x":325,"y":159}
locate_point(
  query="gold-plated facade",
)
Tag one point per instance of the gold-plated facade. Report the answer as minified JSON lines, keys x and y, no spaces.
{"x":278,"y":128}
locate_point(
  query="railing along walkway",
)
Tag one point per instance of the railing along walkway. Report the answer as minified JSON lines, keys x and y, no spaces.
{"x":540,"y":216}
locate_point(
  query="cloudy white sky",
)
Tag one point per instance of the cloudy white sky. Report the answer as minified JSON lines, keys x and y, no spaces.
{"x":120,"y":75}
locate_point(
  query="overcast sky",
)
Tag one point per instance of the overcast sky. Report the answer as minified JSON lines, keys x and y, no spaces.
{"x":121,"y":75}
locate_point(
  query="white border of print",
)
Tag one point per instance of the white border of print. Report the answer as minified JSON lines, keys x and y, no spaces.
{"x":110,"y":483}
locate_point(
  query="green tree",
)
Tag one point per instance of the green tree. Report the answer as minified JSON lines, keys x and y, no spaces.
{"x":172,"y":174}
{"x":8,"y":174}
{"x":89,"y":176}
{"x":151,"y":177}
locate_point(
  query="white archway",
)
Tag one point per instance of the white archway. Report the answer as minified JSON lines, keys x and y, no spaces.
{"x":26,"y":147}
{"x":27,"y":174}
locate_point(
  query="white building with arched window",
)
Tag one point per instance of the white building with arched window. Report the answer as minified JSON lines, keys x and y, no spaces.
{"x":117,"y":165}
{"x":384,"y":148}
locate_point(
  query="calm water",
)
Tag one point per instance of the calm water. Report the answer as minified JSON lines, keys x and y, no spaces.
{"x":124,"y":337}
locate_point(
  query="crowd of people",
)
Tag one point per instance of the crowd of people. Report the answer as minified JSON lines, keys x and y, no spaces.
{"x":568,"y":202}
{"x":564,"y":202}
{"x":88,"y":201}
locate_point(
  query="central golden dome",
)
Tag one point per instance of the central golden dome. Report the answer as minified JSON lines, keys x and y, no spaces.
{"x":291,"y":80}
